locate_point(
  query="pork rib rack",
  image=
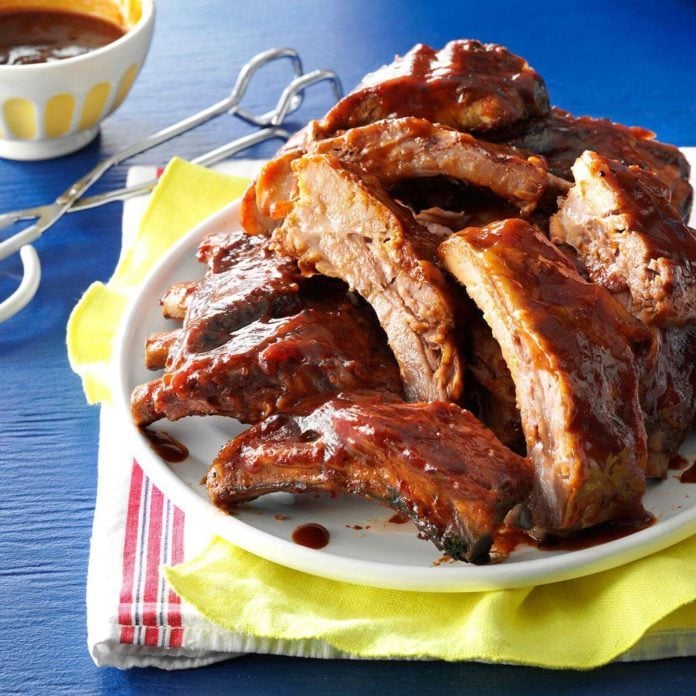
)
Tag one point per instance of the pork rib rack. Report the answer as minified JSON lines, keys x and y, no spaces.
{"x":434,"y":462}
{"x":561,"y":138}
{"x":568,"y":345}
{"x":342,"y":224}
{"x":256,"y":338}
{"x":425,"y":229}
{"x":399,"y":150}
{"x":630,"y":239}
{"x":467,"y":85}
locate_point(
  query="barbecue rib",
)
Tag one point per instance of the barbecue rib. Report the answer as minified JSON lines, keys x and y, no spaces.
{"x":434,"y":462}
{"x":561,"y":138}
{"x":270,"y":365}
{"x":397,"y":150}
{"x":568,"y":345}
{"x":669,"y":399}
{"x":407,"y":148}
{"x":344,"y":226}
{"x":255,"y":339}
{"x":630,"y":239}
{"x":244,"y":282}
{"x":467,"y":85}
{"x":158,"y":346}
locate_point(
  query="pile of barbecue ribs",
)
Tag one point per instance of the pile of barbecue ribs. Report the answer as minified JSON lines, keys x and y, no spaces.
{"x":451,"y":298}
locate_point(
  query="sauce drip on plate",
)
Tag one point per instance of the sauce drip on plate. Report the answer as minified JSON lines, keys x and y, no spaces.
{"x":678,"y":462}
{"x":689,"y":476}
{"x":508,"y":539}
{"x":167,"y":447}
{"x":42,"y":36}
{"x":312,"y":535}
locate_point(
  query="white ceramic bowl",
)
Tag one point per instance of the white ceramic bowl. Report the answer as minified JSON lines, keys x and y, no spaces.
{"x":51,"y":109}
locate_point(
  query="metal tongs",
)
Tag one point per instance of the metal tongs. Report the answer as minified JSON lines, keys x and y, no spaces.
{"x":72,"y":199}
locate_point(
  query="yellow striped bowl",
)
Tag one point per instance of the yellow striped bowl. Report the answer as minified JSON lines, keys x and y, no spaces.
{"x":51,"y":109}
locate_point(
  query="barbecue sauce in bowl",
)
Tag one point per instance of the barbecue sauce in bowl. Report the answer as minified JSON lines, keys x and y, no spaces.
{"x":32,"y":36}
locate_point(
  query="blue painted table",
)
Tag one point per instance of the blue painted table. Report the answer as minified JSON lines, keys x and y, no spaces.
{"x":634,"y":62}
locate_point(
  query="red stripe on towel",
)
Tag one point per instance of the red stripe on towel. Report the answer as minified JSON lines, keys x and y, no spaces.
{"x":125,"y":607}
{"x":127,"y":634}
{"x":153,"y":553}
{"x":152,"y":636}
{"x":176,"y":637}
{"x":140,"y":612}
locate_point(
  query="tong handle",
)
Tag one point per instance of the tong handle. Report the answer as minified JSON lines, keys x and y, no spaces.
{"x":30,"y":259}
{"x":205,"y":160}
{"x":229,"y":103}
{"x":27,"y":287}
{"x":297,"y":87}
{"x":18,"y":241}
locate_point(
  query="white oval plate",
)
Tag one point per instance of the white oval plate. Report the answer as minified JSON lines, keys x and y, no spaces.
{"x":365,"y":548}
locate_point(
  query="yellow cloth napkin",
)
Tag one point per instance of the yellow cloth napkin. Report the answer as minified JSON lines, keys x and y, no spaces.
{"x":578,"y":623}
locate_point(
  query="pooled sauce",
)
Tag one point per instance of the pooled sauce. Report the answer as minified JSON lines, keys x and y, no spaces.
{"x":600,"y":534}
{"x":508,"y":539}
{"x":40,"y":36}
{"x":312,"y":535}
{"x":167,"y":447}
{"x":689,"y":476}
{"x":677,"y":462}
{"x":398,"y":518}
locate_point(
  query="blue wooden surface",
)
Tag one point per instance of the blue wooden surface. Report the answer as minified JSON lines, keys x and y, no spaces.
{"x":634,"y":62}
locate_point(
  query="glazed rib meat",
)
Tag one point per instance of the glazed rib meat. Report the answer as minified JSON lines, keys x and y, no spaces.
{"x":630,"y":239}
{"x":158,"y":346}
{"x":434,"y":462}
{"x":256,"y":338}
{"x":397,"y":150}
{"x":270,"y":365}
{"x":467,"y":85}
{"x":407,"y":148}
{"x":561,"y":138}
{"x":669,"y":399}
{"x":343,"y":225}
{"x":267,"y":199}
{"x":496,"y":396}
{"x":569,"y":347}
{"x":244,"y":282}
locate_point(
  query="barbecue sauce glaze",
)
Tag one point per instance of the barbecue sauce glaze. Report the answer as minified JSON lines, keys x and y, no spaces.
{"x":42,"y":36}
